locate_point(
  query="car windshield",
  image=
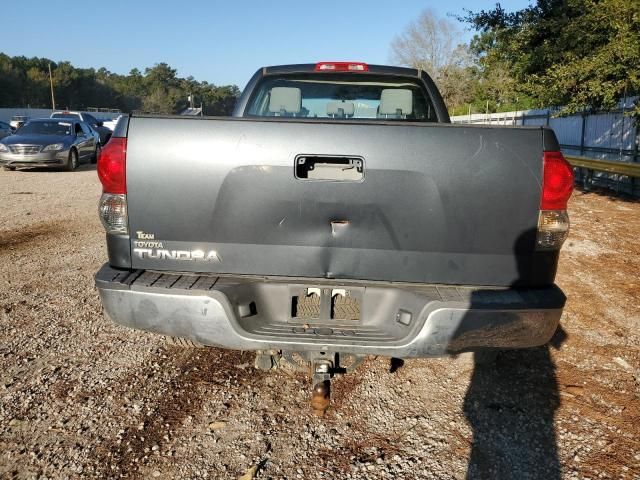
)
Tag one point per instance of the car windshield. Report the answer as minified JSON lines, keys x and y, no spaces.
{"x":66,"y":115}
{"x":342,"y":97}
{"x":46,"y":128}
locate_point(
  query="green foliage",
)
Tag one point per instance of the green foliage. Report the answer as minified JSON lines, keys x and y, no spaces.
{"x":575,"y":54}
{"x":25,"y":82}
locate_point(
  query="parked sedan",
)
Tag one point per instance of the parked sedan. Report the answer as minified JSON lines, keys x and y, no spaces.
{"x":49,"y":143}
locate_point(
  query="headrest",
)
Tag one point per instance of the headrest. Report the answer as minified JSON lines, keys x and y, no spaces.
{"x":333,"y":108}
{"x":394,"y":101}
{"x":285,"y":99}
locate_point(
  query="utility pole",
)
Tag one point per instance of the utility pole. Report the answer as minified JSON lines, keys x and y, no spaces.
{"x":53,"y":98}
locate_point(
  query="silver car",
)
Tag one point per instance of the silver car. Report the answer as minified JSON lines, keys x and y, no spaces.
{"x":49,"y":143}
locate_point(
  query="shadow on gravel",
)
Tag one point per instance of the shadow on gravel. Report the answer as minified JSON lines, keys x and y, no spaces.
{"x":512,"y":399}
{"x":510,"y":406}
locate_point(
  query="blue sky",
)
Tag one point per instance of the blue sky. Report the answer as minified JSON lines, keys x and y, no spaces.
{"x":221,"y":42}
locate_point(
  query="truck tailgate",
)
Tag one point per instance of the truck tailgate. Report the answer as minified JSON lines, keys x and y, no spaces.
{"x":433,"y":204}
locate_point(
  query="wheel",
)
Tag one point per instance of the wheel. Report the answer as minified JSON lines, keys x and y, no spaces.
{"x":94,"y":158}
{"x":72,"y":161}
{"x":9,"y":168}
{"x":182,"y":342}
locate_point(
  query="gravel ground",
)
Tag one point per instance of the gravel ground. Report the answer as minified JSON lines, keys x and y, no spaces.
{"x":81,"y":397}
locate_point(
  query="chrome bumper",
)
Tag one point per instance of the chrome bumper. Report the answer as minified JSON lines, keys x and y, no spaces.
{"x":42,"y":159}
{"x":397,"y":320}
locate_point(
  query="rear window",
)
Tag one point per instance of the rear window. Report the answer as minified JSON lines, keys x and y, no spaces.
{"x":341,"y":97}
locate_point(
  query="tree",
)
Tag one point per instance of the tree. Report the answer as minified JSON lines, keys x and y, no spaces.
{"x":36,"y":86}
{"x":575,"y":54}
{"x":9,"y":80}
{"x":429,"y":44}
{"x":457,"y":81}
{"x":25,"y":82}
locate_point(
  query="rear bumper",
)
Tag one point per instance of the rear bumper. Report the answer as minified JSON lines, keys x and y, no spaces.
{"x":398,"y":320}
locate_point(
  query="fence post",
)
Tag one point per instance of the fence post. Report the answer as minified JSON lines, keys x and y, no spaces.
{"x":587,"y":175}
{"x":636,"y":148}
{"x":584,"y":121}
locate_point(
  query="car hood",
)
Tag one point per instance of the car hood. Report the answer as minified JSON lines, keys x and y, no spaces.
{"x":35,"y":139}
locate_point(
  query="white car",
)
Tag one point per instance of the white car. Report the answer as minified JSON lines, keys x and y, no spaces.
{"x":17,"y":121}
{"x":111,"y":124}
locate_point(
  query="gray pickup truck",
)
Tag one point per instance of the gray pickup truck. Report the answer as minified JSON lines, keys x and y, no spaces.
{"x":336,"y":215}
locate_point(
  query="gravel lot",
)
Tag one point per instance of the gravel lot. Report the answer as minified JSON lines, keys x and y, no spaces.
{"x":83,"y":398}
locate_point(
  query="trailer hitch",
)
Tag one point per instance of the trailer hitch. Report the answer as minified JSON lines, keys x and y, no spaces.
{"x":323,"y":366}
{"x":321,"y":396}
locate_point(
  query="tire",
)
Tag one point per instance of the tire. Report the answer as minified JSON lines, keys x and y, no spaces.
{"x":182,"y":342}
{"x":72,"y":161}
{"x":9,"y":169}
{"x":94,"y":159}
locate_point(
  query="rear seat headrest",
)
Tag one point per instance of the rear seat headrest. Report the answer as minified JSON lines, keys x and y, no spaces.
{"x":285,"y":100}
{"x":341,"y":108}
{"x":396,"y":101}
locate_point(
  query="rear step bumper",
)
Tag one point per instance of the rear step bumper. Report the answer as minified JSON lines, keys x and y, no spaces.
{"x":393,"y":319}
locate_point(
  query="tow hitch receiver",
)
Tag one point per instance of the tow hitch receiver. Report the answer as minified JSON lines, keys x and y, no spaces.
{"x":322,"y":366}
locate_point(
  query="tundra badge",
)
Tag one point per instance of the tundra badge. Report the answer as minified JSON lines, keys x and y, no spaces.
{"x":182,"y":255}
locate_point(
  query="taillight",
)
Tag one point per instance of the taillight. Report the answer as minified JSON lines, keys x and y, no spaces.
{"x":557,"y":186}
{"x":112,"y":166}
{"x":341,"y":67}
{"x":112,"y":174}
{"x":557,"y":182}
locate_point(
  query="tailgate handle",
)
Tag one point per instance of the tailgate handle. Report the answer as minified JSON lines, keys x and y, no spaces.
{"x":336,"y":168}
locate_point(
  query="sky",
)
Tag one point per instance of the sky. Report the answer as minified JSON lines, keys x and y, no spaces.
{"x":220,"y":42}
